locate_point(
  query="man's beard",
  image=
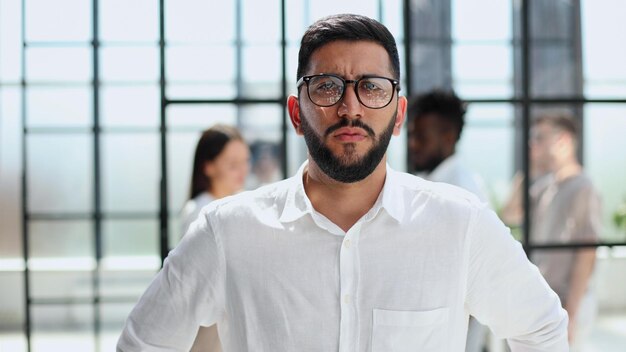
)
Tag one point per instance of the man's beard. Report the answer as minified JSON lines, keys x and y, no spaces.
{"x":348,"y":167}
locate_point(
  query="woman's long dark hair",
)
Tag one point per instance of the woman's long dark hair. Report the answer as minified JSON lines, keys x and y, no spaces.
{"x":209,"y":147}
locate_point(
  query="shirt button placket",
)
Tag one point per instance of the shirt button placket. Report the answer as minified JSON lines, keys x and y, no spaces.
{"x":349,"y":273}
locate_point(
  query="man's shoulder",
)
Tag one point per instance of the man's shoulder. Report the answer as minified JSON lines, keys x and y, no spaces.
{"x":415,"y":186}
{"x":264,"y":195}
{"x":247,"y":203}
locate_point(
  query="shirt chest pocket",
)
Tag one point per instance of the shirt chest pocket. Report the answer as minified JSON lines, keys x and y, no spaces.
{"x":404,"y":331}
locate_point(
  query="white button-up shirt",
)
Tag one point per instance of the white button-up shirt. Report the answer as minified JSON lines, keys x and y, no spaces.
{"x":276,"y":275}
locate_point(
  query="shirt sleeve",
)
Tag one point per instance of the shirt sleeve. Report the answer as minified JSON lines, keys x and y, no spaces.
{"x":508,"y":294}
{"x":186,"y":293}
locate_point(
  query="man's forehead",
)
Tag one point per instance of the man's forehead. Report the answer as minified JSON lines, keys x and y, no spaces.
{"x":340,"y":56}
{"x":544,"y":126}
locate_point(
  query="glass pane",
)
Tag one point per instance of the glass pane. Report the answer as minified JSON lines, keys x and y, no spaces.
{"x":555,"y":70}
{"x":50,"y":240}
{"x":479,"y":77}
{"x":603,"y":60}
{"x":262,"y":71}
{"x":59,"y":20}
{"x":292,"y":68}
{"x":186,"y":21}
{"x":605,"y":162}
{"x":201,"y":116}
{"x":59,"y":106}
{"x":130,"y":64}
{"x":10,"y":42}
{"x":130,"y":165}
{"x":12,"y":340}
{"x":552,"y":20}
{"x":430,"y":66}
{"x":59,"y":64}
{"x":486,"y":147}
{"x":609,"y":328}
{"x":555,"y":53}
{"x":63,"y":328}
{"x":122,"y":20}
{"x":61,"y":284}
{"x":468,"y":20}
{"x":55,"y":186}
{"x":296,"y":24}
{"x":393,"y":18}
{"x":62,"y":258}
{"x":430,"y":19}
{"x":130,"y":106}
{"x":213,"y":64}
{"x":261,"y":122}
{"x":261,"y":21}
{"x":181,"y":147}
{"x":12,"y":307}
{"x":113,"y":317}
{"x":130,"y":240}
{"x":10,"y":177}
{"x":201,"y":90}
{"x":321,"y":8}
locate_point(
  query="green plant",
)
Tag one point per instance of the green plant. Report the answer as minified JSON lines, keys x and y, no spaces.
{"x":619,"y":216}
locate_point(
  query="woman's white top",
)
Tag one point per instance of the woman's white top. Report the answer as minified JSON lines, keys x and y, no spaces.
{"x":191,"y":210}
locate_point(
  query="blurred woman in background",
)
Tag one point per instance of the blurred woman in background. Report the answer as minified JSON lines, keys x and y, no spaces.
{"x":220,"y":167}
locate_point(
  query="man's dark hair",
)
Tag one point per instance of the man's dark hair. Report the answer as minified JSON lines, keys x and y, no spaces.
{"x":346,"y":27}
{"x":446,"y":104}
{"x":561,"y":120}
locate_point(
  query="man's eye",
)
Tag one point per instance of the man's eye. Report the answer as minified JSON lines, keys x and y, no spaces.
{"x":370,"y":86}
{"x":327,"y":86}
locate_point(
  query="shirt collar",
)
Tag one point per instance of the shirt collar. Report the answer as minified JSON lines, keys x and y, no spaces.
{"x":392,"y":195}
{"x":297,"y":203}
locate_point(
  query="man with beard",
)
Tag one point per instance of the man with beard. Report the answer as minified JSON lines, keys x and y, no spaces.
{"x":347,"y":255}
{"x":436,"y":121}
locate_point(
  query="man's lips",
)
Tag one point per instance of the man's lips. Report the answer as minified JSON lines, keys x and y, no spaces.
{"x":350,"y":134}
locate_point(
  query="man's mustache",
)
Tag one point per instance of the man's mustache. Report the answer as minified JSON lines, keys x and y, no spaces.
{"x":350,"y":123}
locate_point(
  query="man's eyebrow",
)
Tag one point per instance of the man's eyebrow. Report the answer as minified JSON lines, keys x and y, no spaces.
{"x":356,"y":77}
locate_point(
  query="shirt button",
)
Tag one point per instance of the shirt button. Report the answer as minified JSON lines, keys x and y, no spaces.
{"x":347,"y":243}
{"x":346,"y":299}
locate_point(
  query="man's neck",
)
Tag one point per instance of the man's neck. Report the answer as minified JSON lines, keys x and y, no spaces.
{"x":343,"y":203}
{"x":566,"y":169}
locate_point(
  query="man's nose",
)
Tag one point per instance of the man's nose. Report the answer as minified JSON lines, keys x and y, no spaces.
{"x":350,"y":106}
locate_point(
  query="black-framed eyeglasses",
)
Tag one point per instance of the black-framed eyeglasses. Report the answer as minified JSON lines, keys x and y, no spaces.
{"x":325,"y":90}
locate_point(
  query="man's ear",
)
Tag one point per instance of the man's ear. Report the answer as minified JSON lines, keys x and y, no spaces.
{"x":293,"y":107}
{"x":400,"y":115}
